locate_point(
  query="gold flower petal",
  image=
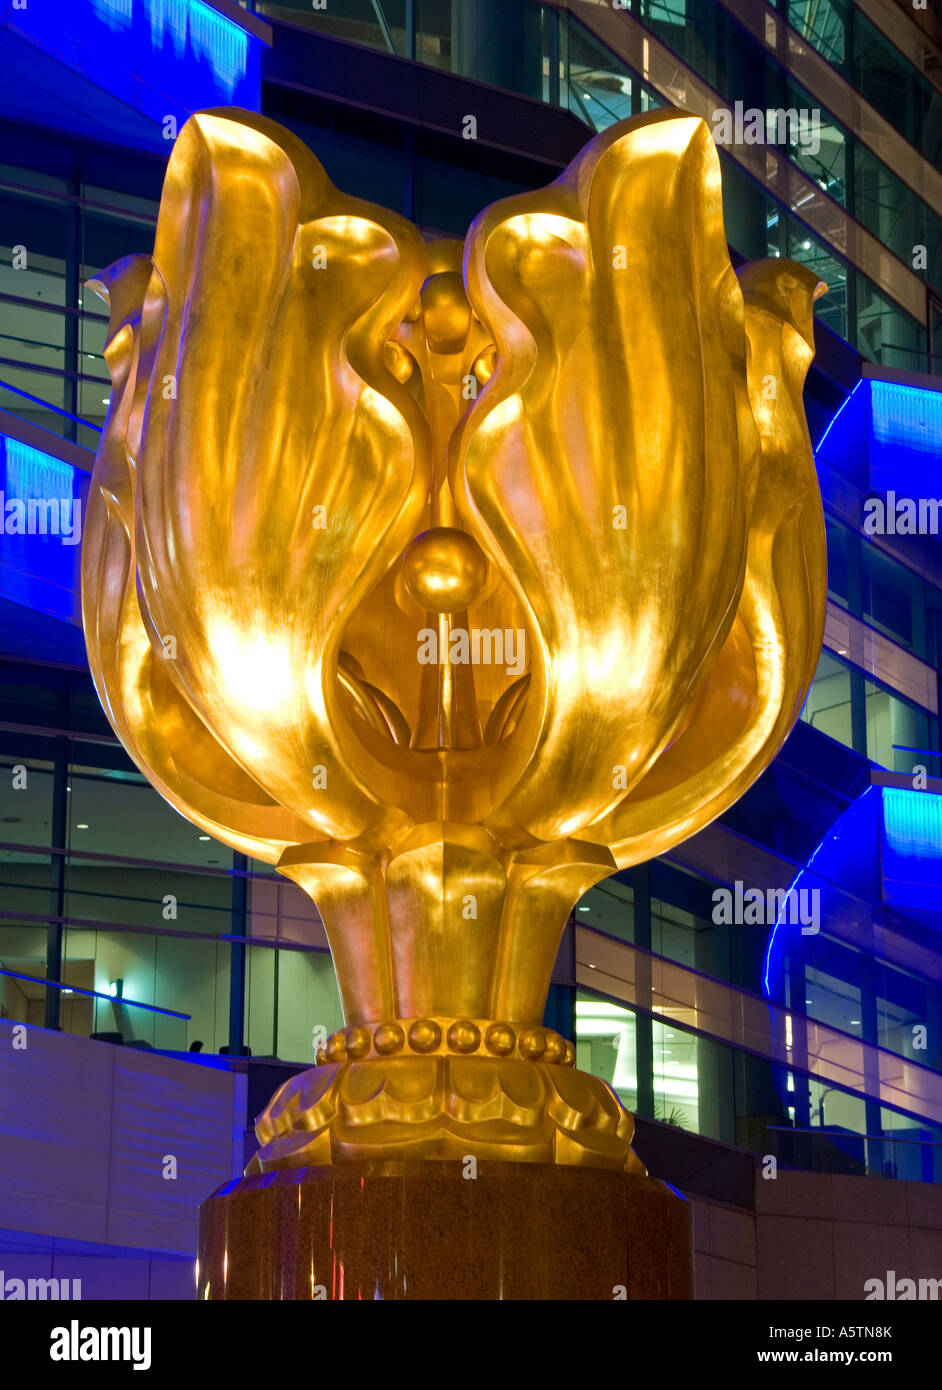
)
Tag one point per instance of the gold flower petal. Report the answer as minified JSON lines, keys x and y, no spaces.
{"x":604,"y":466}
{"x":752,"y":697}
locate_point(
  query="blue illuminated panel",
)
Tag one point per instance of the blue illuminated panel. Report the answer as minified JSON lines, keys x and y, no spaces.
{"x":42,"y":512}
{"x":884,"y":851}
{"x":886,"y":846}
{"x":188,"y":31}
{"x":912,"y":849}
{"x":907,"y":417}
{"x":159,"y":57}
{"x":906,"y":445}
{"x":887,"y":437}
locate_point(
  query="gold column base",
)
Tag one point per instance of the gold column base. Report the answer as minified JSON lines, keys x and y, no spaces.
{"x":402,"y":1229}
{"x":444,"y":1097}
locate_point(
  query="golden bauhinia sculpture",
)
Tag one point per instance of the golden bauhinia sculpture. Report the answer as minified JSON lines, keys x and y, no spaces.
{"x":449,"y":580}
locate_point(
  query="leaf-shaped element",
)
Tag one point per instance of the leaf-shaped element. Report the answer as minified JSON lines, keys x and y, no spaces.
{"x":163,"y":736}
{"x":753,"y":695}
{"x":605,"y":466}
{"x":277,"y":467}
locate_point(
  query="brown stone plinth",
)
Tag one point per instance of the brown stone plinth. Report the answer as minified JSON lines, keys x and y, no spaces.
{"x":423,"y":1230}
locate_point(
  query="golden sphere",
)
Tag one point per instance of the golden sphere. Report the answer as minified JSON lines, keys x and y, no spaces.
{"x":446,"y":313}
{"x":336,"y":1047}
{"x":444,"y":569}
{"x":532,"y":1043}
{"x":389,"y":1038}
{"x":424,"y":1035}
{"x":555,"y":1048}
{"x":464,"y":1036}
{"x":500,"y":1039}
{"x":359,"y":1042}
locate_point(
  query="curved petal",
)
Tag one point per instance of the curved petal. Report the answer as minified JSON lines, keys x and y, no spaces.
{"x":280,"y":466}
{"x":606,"y":464}
{"x":754,"y":694}
{"x":164,"y":738}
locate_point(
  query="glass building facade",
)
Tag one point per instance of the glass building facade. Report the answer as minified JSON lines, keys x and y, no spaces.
{"x":118,"y":919}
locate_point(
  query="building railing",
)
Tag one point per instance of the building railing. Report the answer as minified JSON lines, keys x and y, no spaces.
{"x":863,"y":1155}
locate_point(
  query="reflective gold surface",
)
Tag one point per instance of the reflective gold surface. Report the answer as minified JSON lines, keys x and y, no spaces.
{"x":448,"y":591}
{"x":394,"y":1090}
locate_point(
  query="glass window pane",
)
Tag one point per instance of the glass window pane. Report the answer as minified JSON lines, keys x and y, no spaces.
{"x":837,"y":561}
{"x":676,"y":1077}
{"x":831,"y":308}
{"x":260,"y":1000}
{"x":25,"y":799}
{"x":22,"y":953}
{"x":827,"y":707}
{"x":885,"y":333}
{"x":107,"y":239}
{"x":356,"y":21}
{"x":825,"y":25}
{"x":893,"y":599}
{"x":605,"y":1045}
{"x":112,"y":812}
{"x":37,"y":397}
{"x":32,"y":334}
{"x":105,"y":891}
{"x":169,"y":975}
{"x":893,"y":728}
{"x":280,"y":911}
{"x":94,"y":397}
{"x":609,"y":908}
{"x":308,"y":999}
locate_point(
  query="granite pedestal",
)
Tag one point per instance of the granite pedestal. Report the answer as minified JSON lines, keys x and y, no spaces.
{"x":430,"y":1230}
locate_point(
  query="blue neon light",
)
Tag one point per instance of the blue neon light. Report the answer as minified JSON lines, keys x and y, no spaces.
{"x":93,"y":994}
{"x":767,"y":963}
{"x":849,"y":825}
{"x":46,"y":405}
{"x":837,"y":415}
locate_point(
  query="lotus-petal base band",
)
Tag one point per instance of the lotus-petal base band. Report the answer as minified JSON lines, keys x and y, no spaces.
{"x":445,"y":1107}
